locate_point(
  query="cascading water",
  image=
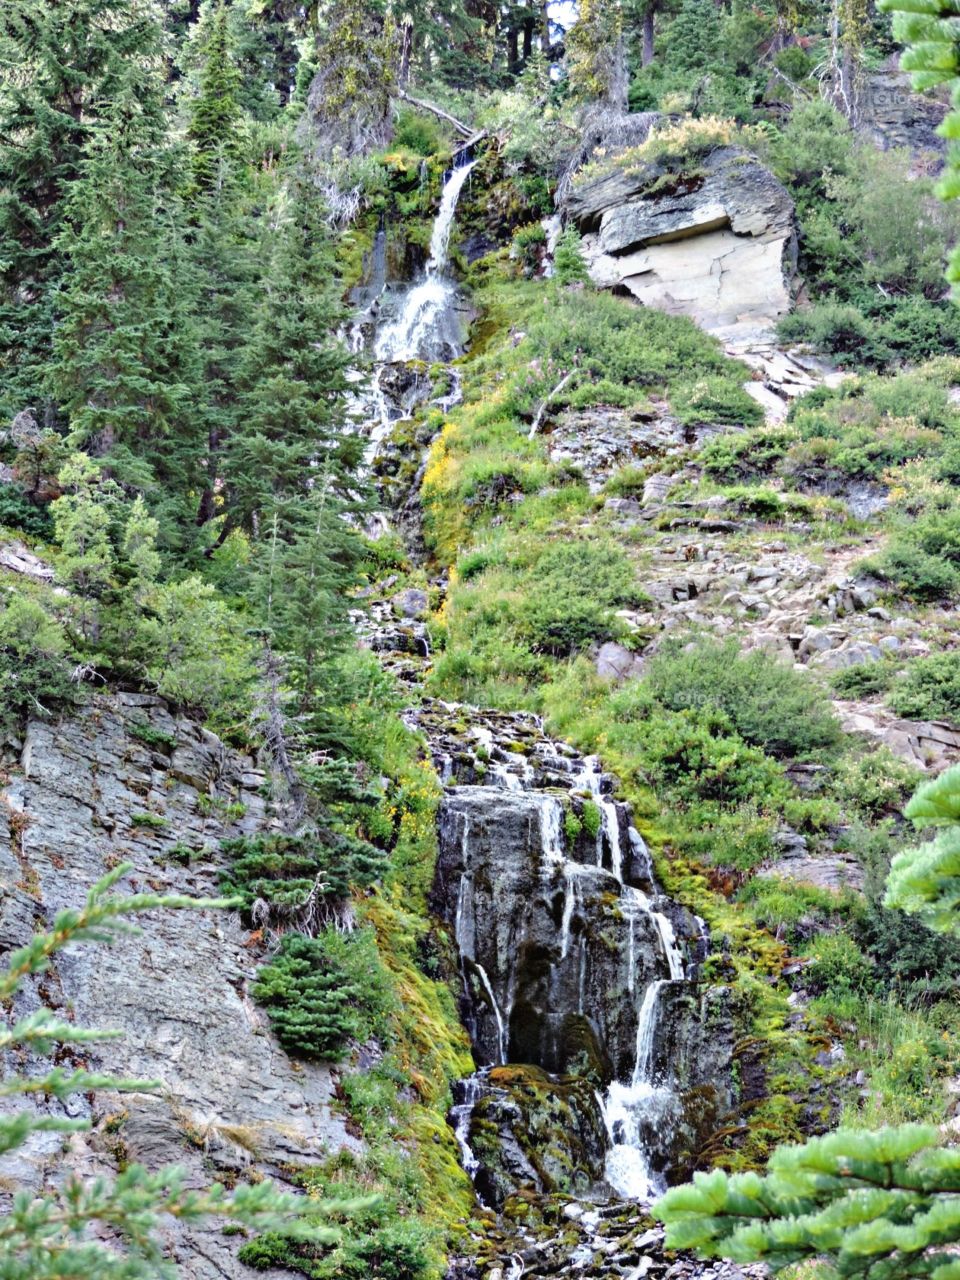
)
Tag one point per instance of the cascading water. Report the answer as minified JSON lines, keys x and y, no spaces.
{"x":540,"y":789}
{"x":421,"y":322}
{"x":427,"y":326}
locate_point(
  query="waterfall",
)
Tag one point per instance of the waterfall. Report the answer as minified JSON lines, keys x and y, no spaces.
{"x":427,"y":326}
{"x":628,"y":1107}
{"x":563,"y":926}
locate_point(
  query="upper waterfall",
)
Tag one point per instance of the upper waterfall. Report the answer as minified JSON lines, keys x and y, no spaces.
{"x":426,"y":326}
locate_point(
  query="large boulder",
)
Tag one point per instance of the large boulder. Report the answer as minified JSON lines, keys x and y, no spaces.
{"x":716,"y":243}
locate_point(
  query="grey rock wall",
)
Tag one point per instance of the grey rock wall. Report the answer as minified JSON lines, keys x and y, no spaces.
{"x":72,"y":804}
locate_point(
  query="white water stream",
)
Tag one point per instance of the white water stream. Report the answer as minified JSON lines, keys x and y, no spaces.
{"x":426,"y":326}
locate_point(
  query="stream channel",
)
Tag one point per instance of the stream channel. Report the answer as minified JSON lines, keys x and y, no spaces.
{"x":600,"y":1054}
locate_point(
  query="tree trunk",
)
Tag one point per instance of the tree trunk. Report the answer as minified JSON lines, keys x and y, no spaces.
{"x":528,"y":27}
{"x":513,"y":50}
{"x":646,"y":56}
{"x":545,"y":27}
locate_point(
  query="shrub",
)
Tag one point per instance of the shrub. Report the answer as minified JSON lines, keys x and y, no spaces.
{"x":930,"y":690}
{"x":417,"y":132}
{"x":738,"y":456}
{"x":697,"y":756}
{"x":835,"y":329}
{"x":321,"y":992}
{"x":529,"y":242}
{"x":283,"y":872}
{"x":839,"y":967}
{"x":915,"y":572}
{"x":17,"y":511}
{"x":569,"y":266}
{"x":715,"y":398}
{"x":573,"y":589}
{"x":923,"y":558}
{"x":878,"y":784}
{"x":863,"y":681}
{"x":769,"y":705}
{"x":920,"y":965}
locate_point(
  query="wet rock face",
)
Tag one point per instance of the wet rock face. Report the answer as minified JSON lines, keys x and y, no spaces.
{"x":549,"y":963}
{"x":531,"y":1129}
{"x":715,"y":243}
{"x":576,"y":971}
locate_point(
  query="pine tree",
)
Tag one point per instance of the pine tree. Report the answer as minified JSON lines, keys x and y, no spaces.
{"x":294,"y":426}
{"x":55,"y":1234}
{"x":122,"y":364}
{"x":224,"y":249}
{"x":309,"y":998}
{"x":216,"y":121}
{"x":872,"y":1205}
{"x":64,"y":62}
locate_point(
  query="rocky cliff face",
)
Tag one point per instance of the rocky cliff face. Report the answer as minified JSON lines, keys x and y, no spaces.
{"x":715,"y":243}
{"x":126,"y":780}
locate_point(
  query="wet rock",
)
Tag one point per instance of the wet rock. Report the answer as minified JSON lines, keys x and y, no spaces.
{"x":411,"y":603}
{"x":535,"y":1131}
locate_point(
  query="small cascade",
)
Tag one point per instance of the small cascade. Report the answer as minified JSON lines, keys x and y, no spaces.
{"x":420,"y":322}
{"x":466,"y":1094}
{"x":631,"y":1108}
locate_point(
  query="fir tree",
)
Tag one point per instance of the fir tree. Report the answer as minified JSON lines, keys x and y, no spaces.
{"x":122,"y":363}
{"x":294,"y":426}
{"x":65,"y":63}
{"x":215,"y":117}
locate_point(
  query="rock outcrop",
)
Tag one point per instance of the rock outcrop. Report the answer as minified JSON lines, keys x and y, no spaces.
{"x":715,"y":242}
{"x":893,"y":114}
{"x":125,"y":780}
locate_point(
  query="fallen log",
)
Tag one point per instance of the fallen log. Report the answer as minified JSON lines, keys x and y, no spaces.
{"x":465,"y":130}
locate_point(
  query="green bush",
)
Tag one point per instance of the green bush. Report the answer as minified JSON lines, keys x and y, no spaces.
{"x":923,"y":558}
{"x":417,"y":132}
{"x":878,"y":784}
{"x":697,"y":757}
{"x":283,"y":871}
{"x":865,"y":680}
{"x":18,"y":512}
{"x":569,"y":266}
{"x":321,"y":992}
{"x":571,"y":595}
{"x":839,"y":969}
{"x":737,"y":456}
{"x":836,"y":329}
{"x":915,"y":572}
{"x":930,"y":690}
{"x":715,"y":398}
{"x":529,"y":243}
{"x":769,"y":705}
{"x":34,"y":670}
